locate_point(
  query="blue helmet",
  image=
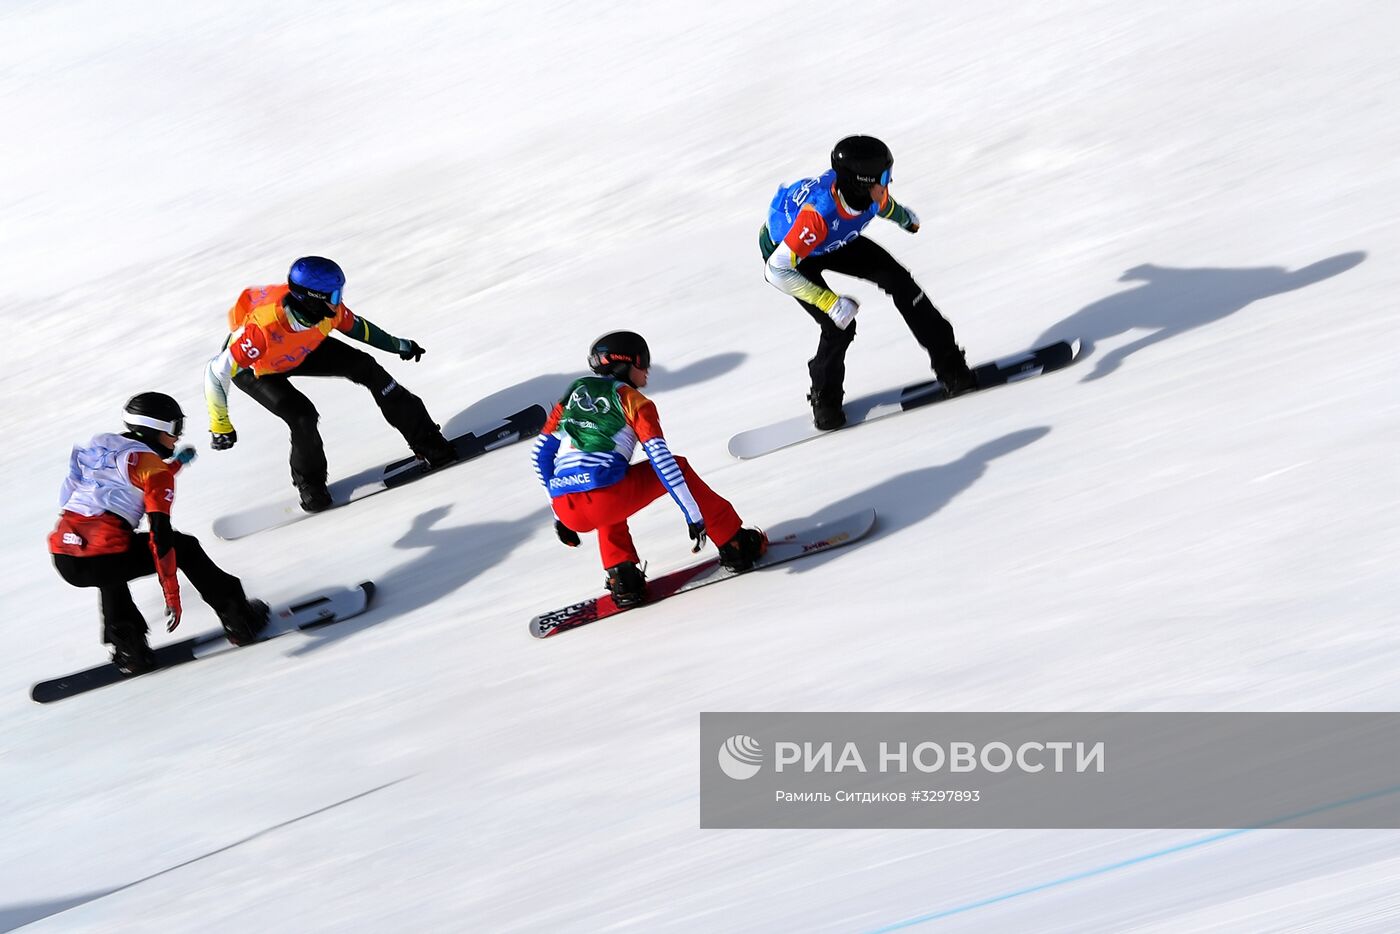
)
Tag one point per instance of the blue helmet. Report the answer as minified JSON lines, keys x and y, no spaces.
{"x":316,"y":277}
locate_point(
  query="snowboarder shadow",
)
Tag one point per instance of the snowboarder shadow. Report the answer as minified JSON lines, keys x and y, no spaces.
{"x":911,"y":497}
{"x":448,"y":559}
{"x":545,"y":390}
{"x":1172,"y":301}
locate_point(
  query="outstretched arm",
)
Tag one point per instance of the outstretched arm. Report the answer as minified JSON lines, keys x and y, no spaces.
{"x":894,"y":211}
{"x":367,"y":332}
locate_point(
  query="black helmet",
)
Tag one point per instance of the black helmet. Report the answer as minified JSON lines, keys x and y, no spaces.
{"x":614,"y":353}
{"x":151,"y":414}
{"x":860,"y":161}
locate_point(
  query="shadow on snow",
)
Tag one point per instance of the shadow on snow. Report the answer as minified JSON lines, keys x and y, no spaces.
{"x":909,"y":498}
{"x":1172,"y":301}
{"x":546,"y":389}
{"x":450,"y":558}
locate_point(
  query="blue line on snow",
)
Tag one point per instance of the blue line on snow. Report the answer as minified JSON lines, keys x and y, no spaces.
{"x":1122,"y":864}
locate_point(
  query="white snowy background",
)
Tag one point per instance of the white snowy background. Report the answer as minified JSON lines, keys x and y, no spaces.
{"x":1200,"y":515}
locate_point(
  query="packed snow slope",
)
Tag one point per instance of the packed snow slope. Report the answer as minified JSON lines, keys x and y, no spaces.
{"x":1199,"y":515}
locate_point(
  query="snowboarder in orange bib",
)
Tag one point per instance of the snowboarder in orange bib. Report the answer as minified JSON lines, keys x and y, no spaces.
{"x":594,"y":485}
{"x":281,"y":331}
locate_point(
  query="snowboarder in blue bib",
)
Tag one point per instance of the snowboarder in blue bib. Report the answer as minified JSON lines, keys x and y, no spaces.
{"x":814,"y":225}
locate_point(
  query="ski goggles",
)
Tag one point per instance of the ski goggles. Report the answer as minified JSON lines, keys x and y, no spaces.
{"x":330,"y":298}
{"x":174,"y":427}
{"x":640,"y":361}
{"x":883,"y":180}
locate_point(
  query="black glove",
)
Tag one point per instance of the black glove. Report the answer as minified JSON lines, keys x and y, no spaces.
{"x":698,"y":535}
{"x":566,"y":535}
{"x":222,"y":442}
{"x":410,"y":350}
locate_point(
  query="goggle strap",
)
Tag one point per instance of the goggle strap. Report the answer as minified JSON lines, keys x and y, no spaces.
{"x":332,"y":297}
{"x":170,"y":428}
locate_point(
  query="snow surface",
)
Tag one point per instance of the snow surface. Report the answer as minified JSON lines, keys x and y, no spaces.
{"x":1200,"y":515}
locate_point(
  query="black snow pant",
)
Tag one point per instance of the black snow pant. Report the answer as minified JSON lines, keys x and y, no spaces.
{"x":275,"y":392}
{"x":866,"y":259}
{"x":122,"y":623}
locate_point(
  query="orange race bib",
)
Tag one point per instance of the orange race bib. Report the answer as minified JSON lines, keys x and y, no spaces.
{"x":249,"y":346}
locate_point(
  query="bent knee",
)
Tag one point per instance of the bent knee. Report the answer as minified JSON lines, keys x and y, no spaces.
{"x":372,"y":376}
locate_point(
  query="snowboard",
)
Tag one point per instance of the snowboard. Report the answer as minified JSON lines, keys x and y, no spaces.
{"x":798,"y":543}
{"x":314,"y":610}
{"x":523,"y":424}
{"x":759,"y":441}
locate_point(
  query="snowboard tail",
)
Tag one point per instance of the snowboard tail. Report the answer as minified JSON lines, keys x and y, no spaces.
{"x":787,"y":547}
{"x":310,"y":612}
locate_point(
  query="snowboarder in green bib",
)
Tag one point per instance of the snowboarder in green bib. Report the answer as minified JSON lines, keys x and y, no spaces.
{"x":583,"y":458}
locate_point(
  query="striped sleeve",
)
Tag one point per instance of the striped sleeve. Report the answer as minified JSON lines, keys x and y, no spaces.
{"x":671,"y":477}
{"x":644,"y":420}
{"x":546,"y":447}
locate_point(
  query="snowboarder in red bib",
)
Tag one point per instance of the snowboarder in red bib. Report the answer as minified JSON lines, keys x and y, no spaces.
{"x":282,"y":331}
{"x":583,"y":458}
{"x":112,"y":482}
{"x":814,"y":226}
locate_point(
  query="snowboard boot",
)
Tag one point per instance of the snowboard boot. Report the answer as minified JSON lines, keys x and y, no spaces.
{"x":244,"y":620}
{"x":627,"y":584}
{"x":133,"y":657}
{"x":438,"y":452}
{"x":741,"y":551}
{"x":954,"y":373}
{"x":827,"y":414}
{"x":314,"y":496}
{"x":124,"y":629}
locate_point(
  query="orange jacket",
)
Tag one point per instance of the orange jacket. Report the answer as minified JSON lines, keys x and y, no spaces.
{"x":262,"y":338}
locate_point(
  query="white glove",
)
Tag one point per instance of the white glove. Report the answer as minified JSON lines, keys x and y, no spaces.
{"x":844,"y":312}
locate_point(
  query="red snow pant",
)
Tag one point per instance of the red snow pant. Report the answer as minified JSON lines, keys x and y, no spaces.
{"x":609,"y":508}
